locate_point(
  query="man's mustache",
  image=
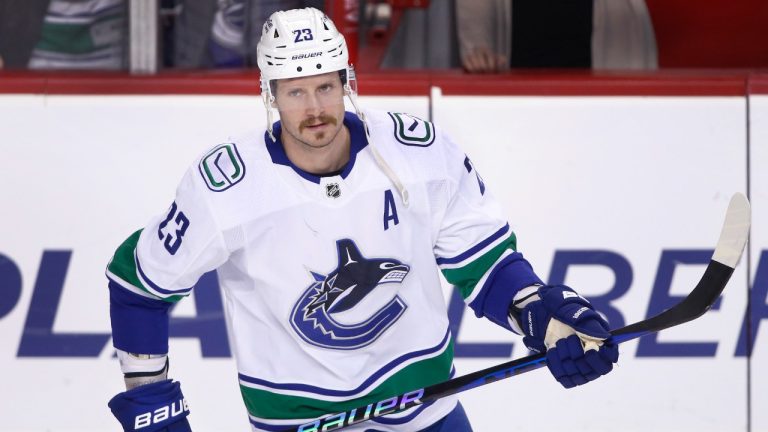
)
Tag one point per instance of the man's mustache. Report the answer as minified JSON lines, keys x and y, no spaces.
{"x":319,"y":119}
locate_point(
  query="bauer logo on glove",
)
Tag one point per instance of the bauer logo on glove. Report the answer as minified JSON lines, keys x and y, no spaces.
{"x":563,"y":324}
{"x":161,"y":414}
{"x":156,"y":407}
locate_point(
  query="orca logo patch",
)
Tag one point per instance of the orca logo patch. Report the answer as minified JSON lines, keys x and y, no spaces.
{"x":354,"y":277}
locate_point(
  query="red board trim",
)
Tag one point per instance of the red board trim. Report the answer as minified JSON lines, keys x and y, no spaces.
{"x":758,"y":83}
{"x":404,"y":83}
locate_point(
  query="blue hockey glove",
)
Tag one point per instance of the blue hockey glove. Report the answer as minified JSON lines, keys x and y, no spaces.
{"x":575,"y":337}
{"x":156,"y":407}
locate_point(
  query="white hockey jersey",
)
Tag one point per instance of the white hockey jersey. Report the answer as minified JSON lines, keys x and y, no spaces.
{"x":331,"y":283}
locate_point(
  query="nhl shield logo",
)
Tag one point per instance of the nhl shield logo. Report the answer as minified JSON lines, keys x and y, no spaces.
{"x":332,"y":190}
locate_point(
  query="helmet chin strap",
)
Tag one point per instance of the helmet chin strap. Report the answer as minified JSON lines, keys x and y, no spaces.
{"x":383,"y":165}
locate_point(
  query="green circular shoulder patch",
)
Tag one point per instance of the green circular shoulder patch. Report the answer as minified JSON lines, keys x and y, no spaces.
{"x":413,"y":131}
{"x":222,"y":167}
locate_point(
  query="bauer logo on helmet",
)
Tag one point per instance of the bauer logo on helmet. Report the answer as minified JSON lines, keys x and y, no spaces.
{"x":307,"y":55}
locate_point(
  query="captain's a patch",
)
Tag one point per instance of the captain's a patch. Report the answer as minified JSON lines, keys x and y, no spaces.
{"x":413,"y":131}
{"x":222,"y":167}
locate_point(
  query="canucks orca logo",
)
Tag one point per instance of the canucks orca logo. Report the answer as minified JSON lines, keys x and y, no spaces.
{"x":354,"y":278}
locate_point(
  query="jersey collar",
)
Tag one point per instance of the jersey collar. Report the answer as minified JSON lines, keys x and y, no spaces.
{"x":358,"y":141}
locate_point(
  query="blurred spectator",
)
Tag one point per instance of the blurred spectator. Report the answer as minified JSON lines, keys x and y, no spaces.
{"x":20,"y":25}
{"x":425,"y":38}
{"x":602,"y":34}
{"x":222,"y":33}
{"x":63,"y":34}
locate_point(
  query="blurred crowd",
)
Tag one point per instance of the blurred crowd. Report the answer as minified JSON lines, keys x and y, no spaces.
{"x":477,"y":35}
{"x":94,"y":34}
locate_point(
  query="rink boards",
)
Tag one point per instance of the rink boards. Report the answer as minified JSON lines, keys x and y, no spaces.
{"x":621,"y":197}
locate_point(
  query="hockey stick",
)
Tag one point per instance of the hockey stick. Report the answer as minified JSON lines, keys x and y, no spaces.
{"x":733,"y":238}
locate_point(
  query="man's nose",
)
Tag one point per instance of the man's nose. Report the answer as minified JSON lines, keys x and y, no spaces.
{"x":314,"y":105}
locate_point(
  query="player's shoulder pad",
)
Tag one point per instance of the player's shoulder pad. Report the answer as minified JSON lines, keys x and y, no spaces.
{"x":411,"y":130}
{"x":222,"y":167}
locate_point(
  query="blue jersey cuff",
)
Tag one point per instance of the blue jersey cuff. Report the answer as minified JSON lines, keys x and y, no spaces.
{"x":139,"y":324}
{"x":509,"y":276}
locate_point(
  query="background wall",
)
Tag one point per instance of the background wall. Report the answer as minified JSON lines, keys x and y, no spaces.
{"x":616,"y":185}
{"x":711,"y":33}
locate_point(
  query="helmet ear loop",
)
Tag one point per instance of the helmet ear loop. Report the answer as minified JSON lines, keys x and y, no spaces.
{"x":350,"y":88}
{"x":269,"y":104}
{"x":351,"y":93}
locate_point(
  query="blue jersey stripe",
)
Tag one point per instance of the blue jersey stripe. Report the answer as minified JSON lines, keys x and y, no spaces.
{"x":272,"y":428}
{"x":349,"y":393}
{"x":478,"y":247}
{"x":153,"y":285}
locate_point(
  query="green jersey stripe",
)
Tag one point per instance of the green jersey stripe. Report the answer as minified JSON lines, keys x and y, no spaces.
{"x":476,"y":251}
{"x":465,"y":278}
{"x":265,"y":404}
{"x":123,"y":265}
{"x":481,"y":282}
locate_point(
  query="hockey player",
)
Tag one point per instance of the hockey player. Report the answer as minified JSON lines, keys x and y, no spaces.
{"x":328,"y":231}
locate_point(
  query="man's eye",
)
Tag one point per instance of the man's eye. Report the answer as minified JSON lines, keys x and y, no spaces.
{"x":294,"y":93}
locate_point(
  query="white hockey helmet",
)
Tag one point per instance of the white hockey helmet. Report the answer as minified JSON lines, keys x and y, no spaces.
{"x":299,"y":43}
